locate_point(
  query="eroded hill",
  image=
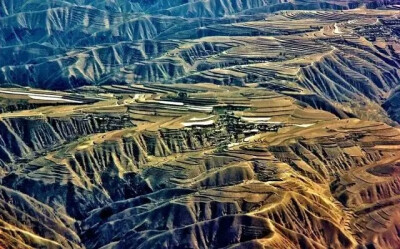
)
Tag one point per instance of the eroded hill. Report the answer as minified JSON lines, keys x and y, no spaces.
{"x":195,"y":166}
{"x":199,"y":124}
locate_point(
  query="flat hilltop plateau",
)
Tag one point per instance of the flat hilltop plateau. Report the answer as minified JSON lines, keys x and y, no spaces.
{"x":200,"y":124}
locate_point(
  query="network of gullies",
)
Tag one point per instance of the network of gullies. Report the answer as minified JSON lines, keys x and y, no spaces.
{"x":178,"y":124}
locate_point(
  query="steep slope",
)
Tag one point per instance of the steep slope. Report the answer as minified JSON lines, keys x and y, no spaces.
{"x":308,"y":180}
{"x":68,"y":44}
{"x":199,"y":124}
{"x":344,"y":56}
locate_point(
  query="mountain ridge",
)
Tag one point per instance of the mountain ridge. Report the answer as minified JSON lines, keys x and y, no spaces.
{"x":199,"y":124}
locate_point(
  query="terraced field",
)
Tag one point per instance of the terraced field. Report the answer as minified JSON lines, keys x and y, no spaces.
{"x":199,"y":124}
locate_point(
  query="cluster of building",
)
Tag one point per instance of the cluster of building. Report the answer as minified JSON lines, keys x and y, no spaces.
{"x":108,"y":122}
{"x":247,"y":125}
{"x":371,"y":32}
{"x":238,"y":127}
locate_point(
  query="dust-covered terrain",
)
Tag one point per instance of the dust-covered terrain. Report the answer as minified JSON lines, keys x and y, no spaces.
{"x":200,"y":124}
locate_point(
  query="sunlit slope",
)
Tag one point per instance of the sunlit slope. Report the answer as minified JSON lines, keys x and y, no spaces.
{"x":332,"y":54}
{"x":199,"y":124}
{"x":62,"y":45}
{"x":311,"y":181}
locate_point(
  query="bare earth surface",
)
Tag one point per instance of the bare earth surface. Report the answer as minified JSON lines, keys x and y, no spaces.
{"x":199,"y":124}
